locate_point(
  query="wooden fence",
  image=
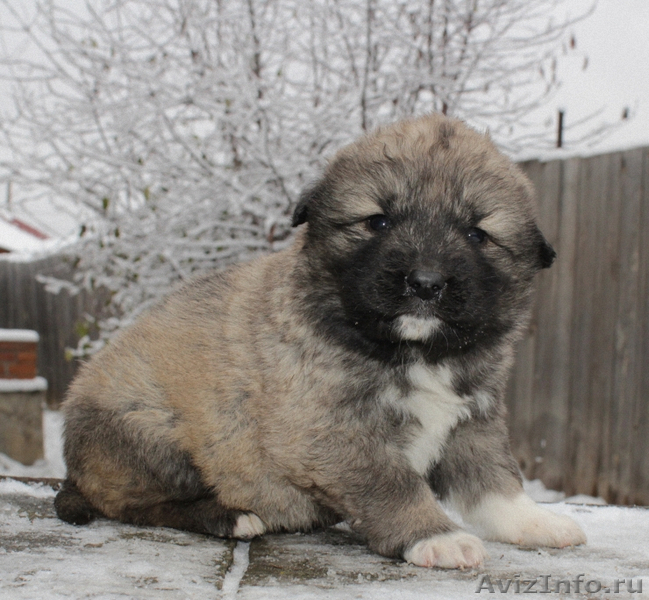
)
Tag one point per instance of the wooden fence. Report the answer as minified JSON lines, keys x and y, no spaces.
{"x":25,"y":304}
{"x":579,"y":394}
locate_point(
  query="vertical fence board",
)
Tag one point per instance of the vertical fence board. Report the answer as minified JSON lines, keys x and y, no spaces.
{"x":561,"y":344}
{"x":640,"y":458}
{"x":625,"y":390}
{"x":585,"y":411}
{"x":547,"y":434}
{"x":520,"y":396}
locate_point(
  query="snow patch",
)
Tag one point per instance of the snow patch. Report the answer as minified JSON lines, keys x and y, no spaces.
{"x":232,"y":579}
{"x":539,"y":493}
{"x":37,"y":384}
{"x":536,"y":490}
{"x":584,"y":499}
{"x":36,"y":490}
{"x":18,"y":335}
{"x":14,"y":239}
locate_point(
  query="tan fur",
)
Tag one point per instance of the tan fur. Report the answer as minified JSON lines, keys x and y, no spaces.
{"x":239,"y":395}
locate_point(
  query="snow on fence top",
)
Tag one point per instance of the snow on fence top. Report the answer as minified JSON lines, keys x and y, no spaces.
{"x":18,"y":335}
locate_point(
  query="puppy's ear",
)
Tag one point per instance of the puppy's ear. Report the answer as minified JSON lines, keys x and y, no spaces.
{"x":301,"y":212}
{"x":307,"y":198}
{"x":546,"y":254}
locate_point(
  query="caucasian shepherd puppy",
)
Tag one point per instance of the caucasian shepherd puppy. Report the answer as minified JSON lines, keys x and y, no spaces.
{"x":357,"y":376}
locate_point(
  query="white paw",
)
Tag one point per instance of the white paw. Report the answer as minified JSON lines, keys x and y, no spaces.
{"x":455,"y":550}
{"x":248,"y":526}
{"x":521,"y":521}
{"x":550,"y":529}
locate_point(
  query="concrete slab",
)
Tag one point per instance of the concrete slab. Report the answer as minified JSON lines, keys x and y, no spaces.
{"x":21,"y":423}
{"x":43,"y":558}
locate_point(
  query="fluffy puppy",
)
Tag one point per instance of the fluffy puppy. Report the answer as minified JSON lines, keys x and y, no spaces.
{"x":358,"y":375}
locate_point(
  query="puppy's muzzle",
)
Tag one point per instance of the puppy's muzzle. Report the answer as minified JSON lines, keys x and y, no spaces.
{"x":425,"y":284}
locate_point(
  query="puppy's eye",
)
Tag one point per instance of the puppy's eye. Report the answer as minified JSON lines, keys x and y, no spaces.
{"x":476,"y":235}
{"x":379,"y":222}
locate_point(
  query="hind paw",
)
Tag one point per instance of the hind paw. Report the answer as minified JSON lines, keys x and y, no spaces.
{"x":248,"y":526}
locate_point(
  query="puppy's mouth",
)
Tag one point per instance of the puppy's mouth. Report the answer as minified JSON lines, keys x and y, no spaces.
{"x":431,"y":329}
{"x":415,"y":328}
{"x":429,"y":313}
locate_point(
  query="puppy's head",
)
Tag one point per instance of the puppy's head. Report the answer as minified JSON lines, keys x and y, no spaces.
{"x":428,"y":234}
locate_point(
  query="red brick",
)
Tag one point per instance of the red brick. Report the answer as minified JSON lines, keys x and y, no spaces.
{"x":18,"y":346}
{"x":22,"y":371}
{"x":18,"y":360}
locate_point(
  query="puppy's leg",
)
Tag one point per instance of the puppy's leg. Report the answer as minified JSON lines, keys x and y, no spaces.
{"x":479,"y":475}
{"x":121,"y":470}
{"x":411,"y":524}
{"x":205,"y":515}
{"x":519,"y":520}
{"x":395,"y":509}
{"x":139,"y":507}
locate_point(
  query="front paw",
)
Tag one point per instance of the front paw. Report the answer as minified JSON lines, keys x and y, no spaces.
{"x":546,"y":528}
{"x":455,"y":550}
{"x":521,"y":521}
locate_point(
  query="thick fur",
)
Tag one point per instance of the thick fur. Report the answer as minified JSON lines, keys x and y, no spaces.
{"x":317,"y":384}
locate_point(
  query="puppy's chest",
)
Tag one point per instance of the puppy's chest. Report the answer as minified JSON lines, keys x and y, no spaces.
{"x":434,"y":409}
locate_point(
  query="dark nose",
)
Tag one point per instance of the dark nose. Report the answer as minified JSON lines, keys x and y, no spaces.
{"x":425,"y":284}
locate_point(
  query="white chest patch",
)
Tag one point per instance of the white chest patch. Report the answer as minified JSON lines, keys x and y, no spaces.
{"x":437,"y":407}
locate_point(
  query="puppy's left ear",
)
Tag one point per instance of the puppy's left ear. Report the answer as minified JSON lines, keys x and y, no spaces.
{"x":546,"y":254}
{"x":301,"y":212}
{"x":307,"y":198}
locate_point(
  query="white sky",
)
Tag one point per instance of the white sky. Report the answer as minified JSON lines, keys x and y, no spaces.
{"x":615,"y":41}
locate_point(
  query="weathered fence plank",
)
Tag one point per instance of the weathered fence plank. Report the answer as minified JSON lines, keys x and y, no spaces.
{"x":640,"y":458}
{"x":626,"y":389}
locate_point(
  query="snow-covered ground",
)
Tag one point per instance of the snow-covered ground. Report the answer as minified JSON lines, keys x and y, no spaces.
{"x":43,"y":558}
